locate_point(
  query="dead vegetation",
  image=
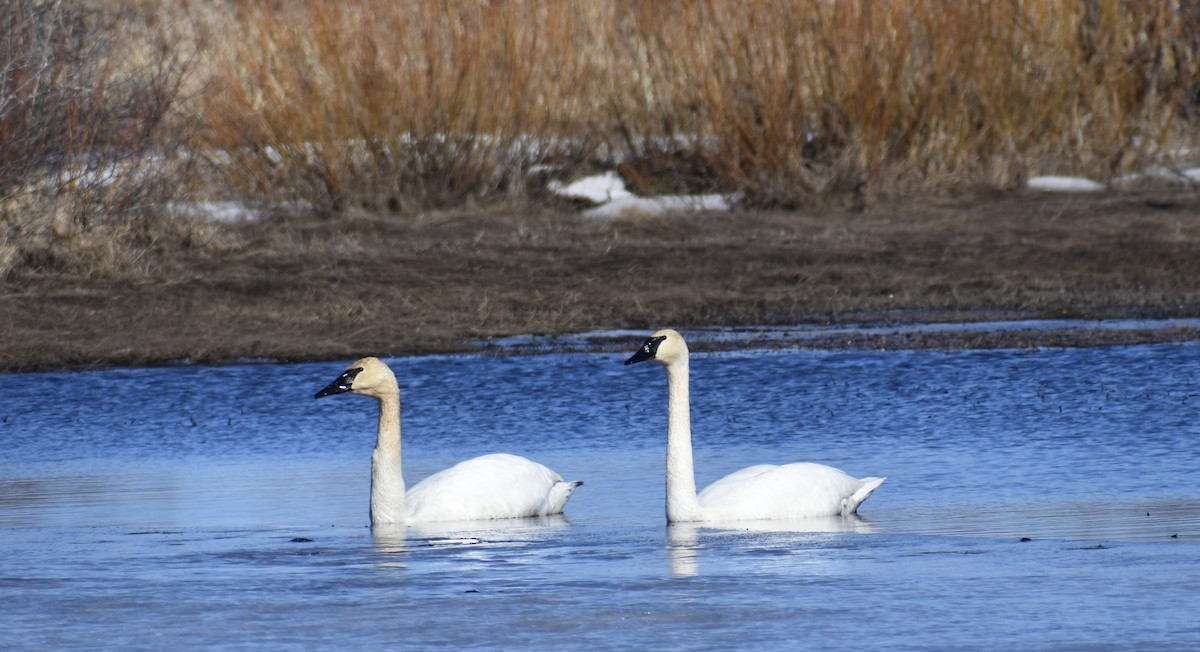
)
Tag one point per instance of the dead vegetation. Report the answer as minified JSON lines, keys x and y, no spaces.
{"x":398,"y":154}
{"x":318,"y":289}
{"x":429,"y":104}
{"x":112,"y":111}
{"x":83,"y":131}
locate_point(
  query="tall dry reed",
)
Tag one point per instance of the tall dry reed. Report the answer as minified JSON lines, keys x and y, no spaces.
{"x":431,"y":103}
{"x":790,"y":99}
{"x":405,"y":106}
{"x":417,"y":104}
{"x":82,"y":136}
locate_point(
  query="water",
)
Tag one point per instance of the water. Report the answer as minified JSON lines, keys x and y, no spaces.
{"x":1036,"y":500}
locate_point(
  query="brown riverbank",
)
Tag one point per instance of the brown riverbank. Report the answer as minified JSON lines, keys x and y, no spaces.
{"x":384,"y":285}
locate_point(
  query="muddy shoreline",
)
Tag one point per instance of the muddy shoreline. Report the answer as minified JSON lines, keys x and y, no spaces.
{"x":308,"y":289}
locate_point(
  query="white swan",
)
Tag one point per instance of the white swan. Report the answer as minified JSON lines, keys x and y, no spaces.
{"x":765,"y":491}
{"x":487,"y":487}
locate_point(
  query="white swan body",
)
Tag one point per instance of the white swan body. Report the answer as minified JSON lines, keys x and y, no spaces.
{"x":761,"y":492}
{"x":487,"y":487}
{"x":469,"y":491}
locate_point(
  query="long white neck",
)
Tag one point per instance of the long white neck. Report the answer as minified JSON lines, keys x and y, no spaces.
{"x":682,"y":504}
{"x":387,"y":483}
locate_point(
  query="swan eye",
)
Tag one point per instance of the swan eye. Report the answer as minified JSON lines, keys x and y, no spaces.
{"x":348,"y":377}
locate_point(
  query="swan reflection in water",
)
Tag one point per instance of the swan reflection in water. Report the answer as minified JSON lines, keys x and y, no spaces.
{"x":684,"y":546}
{"x":390,"y":540}
{"x":479,"y":540}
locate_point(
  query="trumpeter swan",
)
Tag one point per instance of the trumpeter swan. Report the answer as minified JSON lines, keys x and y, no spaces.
{"x":765,"y":491}
{"x":487,"y":487}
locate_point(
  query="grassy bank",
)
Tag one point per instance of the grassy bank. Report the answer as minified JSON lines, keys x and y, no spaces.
{"x":115,"y":113}
{"x":316,"y":289}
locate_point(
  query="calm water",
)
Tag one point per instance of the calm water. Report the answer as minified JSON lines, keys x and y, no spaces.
{"x":225,"y":508}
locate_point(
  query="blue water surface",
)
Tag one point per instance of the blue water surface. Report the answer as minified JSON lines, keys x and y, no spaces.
{"x":1045,"y":499}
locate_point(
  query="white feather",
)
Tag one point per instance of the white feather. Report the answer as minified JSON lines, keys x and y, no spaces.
{"x":487,"y":487}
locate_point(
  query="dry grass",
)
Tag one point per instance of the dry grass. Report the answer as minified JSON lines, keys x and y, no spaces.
{"x":430,"y":103}
{"x":396,"y":106}
{"x":83,"y":132}
{"x":426,"y":103}
{"x":803,"y":98}
{"x":378,"y":106}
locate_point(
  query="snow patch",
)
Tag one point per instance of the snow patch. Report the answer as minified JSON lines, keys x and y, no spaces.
{"x":1159,"y":173}
{"x":614,"y":200}
{"x":633,"y":205}
{"x":597,"y":189}
{"x":1063,"y":184}
{"x":216,"y":211}
{"x":1079,"y":184}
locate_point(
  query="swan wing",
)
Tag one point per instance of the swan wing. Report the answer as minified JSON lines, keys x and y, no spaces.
{"x":488,"y":487}
{"x":790,"y":491}
{"x":742,"y":475}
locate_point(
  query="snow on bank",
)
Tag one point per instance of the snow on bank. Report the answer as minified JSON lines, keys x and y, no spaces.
{"x":598,"y":189}
{"x":215,"y":211}
{"x":612,"y":199}
{"x":1080,"y":184}
{"x":663,"y":204}
{"x":1158,"y":173}
{"x":1064,"y":184}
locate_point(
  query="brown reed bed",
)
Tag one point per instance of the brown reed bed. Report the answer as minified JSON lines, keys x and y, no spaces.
{"x":401,"y":107}
{"x":406,"y":107}
{"x":84,"y":128}
{"x":433,"y":104}
{"x":398,"y":154}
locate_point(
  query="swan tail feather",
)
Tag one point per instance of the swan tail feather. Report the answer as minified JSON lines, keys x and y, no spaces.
{"x":560,"y":493}
{"x":869,"y":485}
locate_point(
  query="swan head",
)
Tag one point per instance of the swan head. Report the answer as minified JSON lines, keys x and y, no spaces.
{"x":664,"y":347}
{"x":368,"y":376}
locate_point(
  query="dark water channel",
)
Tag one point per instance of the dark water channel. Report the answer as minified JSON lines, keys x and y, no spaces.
{"x":1043,"y":499}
